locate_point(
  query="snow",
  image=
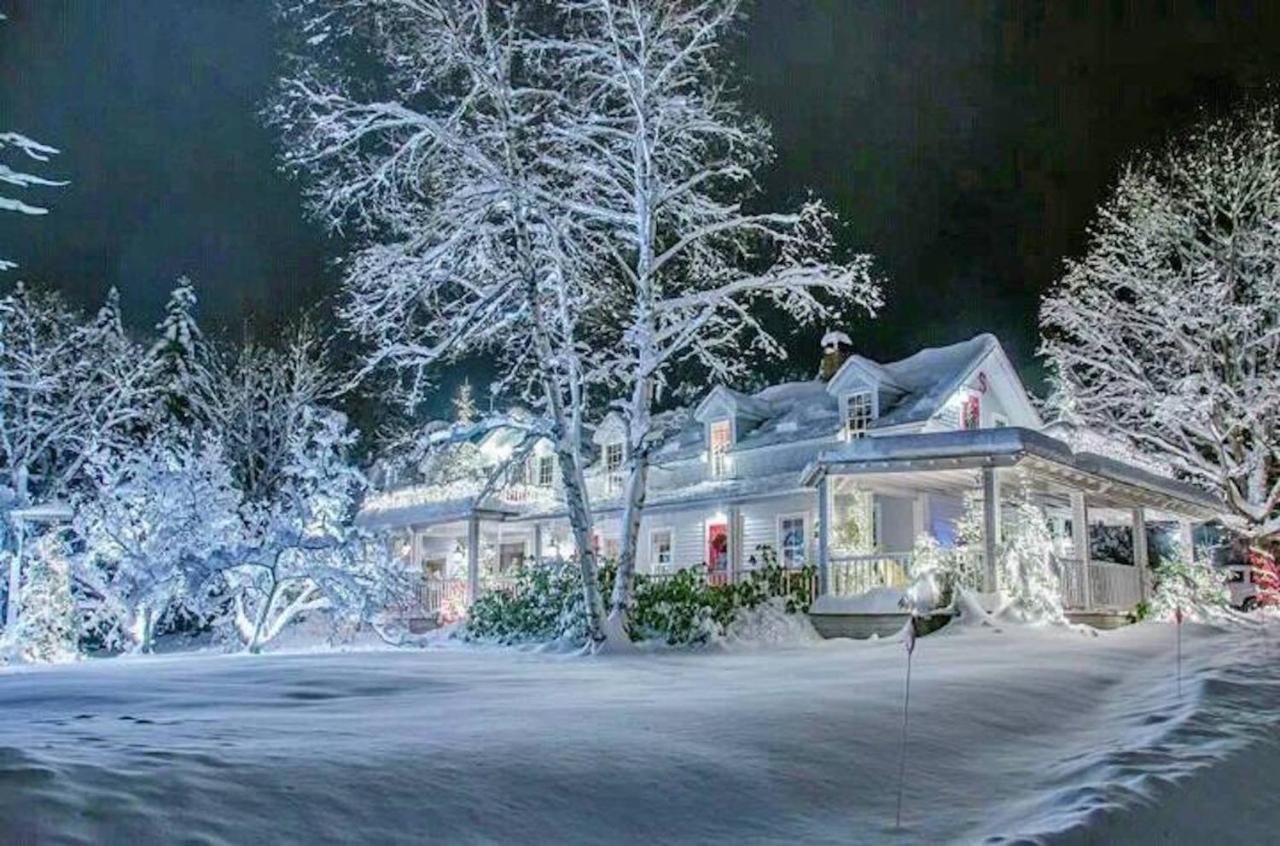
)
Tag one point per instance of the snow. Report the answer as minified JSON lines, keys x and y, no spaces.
{"x":881,"y":600}
{"x":1015,"y":734}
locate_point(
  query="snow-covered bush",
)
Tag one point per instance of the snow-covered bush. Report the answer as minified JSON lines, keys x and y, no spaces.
{"x":936,"y":573}
{"x":47,"y":630}
{"x":680,"y":608}
{"x":148,"y":524}
{"x":544,"y":606}
{"x":1199,"y":590}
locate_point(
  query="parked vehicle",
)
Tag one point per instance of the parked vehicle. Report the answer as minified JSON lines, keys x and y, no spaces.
{"x":1254,"y":583}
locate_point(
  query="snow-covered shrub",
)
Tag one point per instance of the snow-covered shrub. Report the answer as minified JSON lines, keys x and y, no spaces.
{"x":303,"y":554}
{"x":148,"y":524}
{"x":47,"y":629}
{"x":680,"y":608}
{"x":936,"y":573}
{"x":683,"y":608}
{"x":545,"y":605}
{"x":1199,"y":590}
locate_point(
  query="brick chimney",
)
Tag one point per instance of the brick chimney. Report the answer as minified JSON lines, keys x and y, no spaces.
{"x":835,"y":349}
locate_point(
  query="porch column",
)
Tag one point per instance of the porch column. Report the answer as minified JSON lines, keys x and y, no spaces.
{"x":824,"y":535}
{"x":473,"y":557}
{"x":919,"y":517}
{"x":735,"y":542}
{"x":1080,"y":540}
{"x":537,"y":543}
{"x":990,"y":526}
{"x":1140,"y":552}
{"x":1187,"y":537}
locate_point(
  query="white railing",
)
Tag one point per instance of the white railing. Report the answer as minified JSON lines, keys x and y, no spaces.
{"x":1110,"y":586}
{"x":443,"y":598}
{"x":855,"y":574}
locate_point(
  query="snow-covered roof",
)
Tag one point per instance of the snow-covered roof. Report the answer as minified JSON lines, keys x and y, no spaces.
{"x":931,"y":376}
{"x":798,"y":411}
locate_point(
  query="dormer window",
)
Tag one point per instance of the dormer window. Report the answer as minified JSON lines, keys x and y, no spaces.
{"x":545,"y":466}
{"x":720,"y":437}
{"x":613,"y":454}
{"x":859,"y":411}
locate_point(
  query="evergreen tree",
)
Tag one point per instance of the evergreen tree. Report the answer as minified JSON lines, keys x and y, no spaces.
{"x":178,"y":353}
{"x":464,"y":404}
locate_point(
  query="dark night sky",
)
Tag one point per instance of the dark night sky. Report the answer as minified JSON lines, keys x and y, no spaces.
{"x":965,"y":143}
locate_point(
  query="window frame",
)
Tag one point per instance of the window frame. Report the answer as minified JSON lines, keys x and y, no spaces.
{"x":805,"y":522}
{"x":847,"y":432}
{"x":654,"y":563}
{"x":546,"y":477}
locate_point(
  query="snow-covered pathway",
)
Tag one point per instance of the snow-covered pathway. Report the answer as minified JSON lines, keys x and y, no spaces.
{"x":1015,"y":734}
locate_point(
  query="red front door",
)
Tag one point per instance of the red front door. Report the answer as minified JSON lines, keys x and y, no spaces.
{"x":717,"y":551}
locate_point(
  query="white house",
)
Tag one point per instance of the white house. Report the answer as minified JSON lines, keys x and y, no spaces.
{"x":843,"y":472}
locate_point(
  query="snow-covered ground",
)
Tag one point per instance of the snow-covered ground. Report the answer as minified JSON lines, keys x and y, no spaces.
{"x":1018,"y":734}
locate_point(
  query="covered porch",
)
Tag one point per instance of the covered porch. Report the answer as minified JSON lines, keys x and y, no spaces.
{"x":877,"y":496}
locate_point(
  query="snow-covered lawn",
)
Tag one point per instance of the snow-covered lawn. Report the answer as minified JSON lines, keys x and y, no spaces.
{"x":1013,"y":734}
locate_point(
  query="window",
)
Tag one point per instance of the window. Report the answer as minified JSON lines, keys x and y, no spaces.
{"x":971,"y":413}
{"x":546,"y":470}
{"x":721,"y":437}
{"x":613,"y":466}
{"x":791,"y":541}
{"x":857,"y":415}
{"x":661,"y":549}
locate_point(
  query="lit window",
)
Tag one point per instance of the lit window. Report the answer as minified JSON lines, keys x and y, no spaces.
{"x":971,"y":413}
{"x":661,"y":549}
{"x":721,"y":440}
{"x":791,"y":541}
{"x":857,"y":415}
{"x":546,"y":470}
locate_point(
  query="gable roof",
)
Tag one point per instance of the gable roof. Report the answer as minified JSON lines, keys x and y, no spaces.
{"x":931,"y":376}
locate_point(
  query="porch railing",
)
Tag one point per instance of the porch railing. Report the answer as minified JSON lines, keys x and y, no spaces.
{"x":1109,"y":586}
{"x":855,"y":574}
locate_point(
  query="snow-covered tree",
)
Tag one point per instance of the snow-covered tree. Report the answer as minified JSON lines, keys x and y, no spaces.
{"x":47,"y":629}
{"x":1166,"y":334}
{"x":69,"y":388}
{"x":304,"y":555}
{"x":15,"y":144}
{"x":148,"y":524}
{"x":1026,"y":573}
{"x":666,"y":159}
{"x":258,"y":397}
{"x":444,"y":159}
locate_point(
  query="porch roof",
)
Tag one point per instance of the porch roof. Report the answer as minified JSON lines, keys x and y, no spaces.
{"x":1008,"y":447}
{"x":403,"y":508}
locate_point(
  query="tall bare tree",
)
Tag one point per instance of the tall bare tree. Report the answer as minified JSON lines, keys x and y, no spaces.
{"x":667,"y":159}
